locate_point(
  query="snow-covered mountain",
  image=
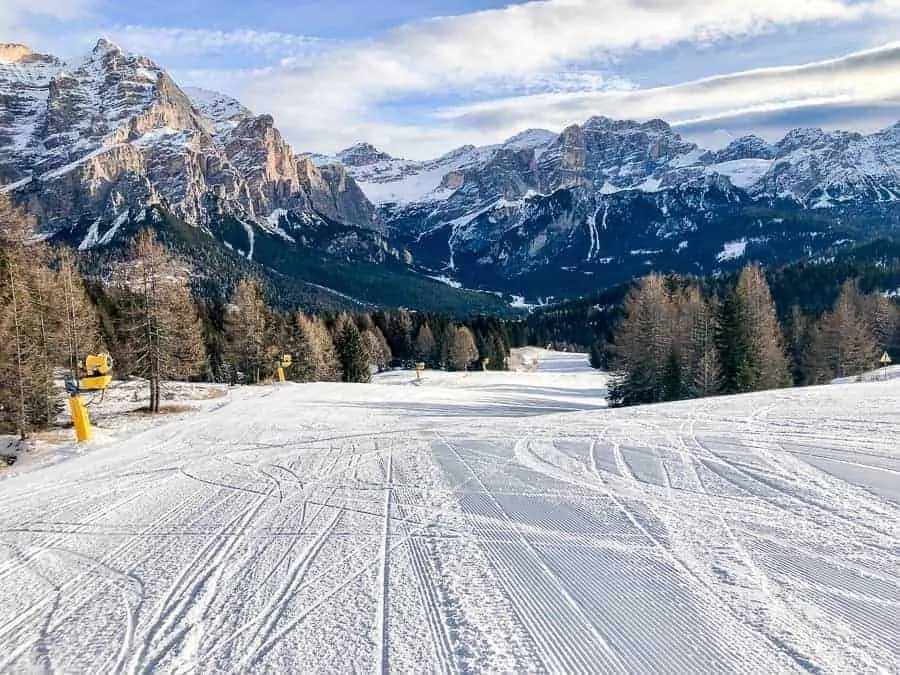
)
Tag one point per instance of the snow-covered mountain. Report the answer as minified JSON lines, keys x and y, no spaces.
{"x":93,"y":147}
{"x":113,"y":134}
{"x":545,"y":213}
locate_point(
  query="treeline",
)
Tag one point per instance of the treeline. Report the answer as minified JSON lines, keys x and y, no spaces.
{"x":811,"y":285}
{"x":245,"y":339}
{"x":677,"y":340}
{"x":144,"y":314}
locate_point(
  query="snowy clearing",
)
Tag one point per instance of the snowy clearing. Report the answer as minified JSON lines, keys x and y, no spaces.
{"x":462,"y":523}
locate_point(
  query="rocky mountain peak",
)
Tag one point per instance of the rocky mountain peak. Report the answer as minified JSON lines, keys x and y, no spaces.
{"x":104,"y":46}
{"x":745,"y":147}
{"x":363,"y":154}
{"x":114,"y":134}
{"x":12,"y":52}
{"x":224,"y":111}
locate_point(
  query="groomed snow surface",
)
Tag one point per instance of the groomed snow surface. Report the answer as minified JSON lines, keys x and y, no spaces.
{"x":485,"y":522}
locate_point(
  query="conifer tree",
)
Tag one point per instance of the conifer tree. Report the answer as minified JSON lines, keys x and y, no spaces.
{"x":765,"y":340}
{"x":77,"y":314}
{"x":848,"y":341}
{"x":161,"y":318}
{"x":425,"y":344}
{"x":643,"y":345}
{"x":354,"y":355}
{"x":462,"y":350}
{"x":883,"y":317}
{"x":26,"y":341}
{"x":377,"y":346}
{"x":734,"y":347}
{"x":246,"y":329}
{"x":704,"y":372}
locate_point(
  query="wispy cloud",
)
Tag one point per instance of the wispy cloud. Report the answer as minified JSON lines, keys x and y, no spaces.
{"x":172,"y":43}
{"x":872,"y":75}
{"x":16,"y":15}
{"x":428,"y":85}
{"x":322,"y":100}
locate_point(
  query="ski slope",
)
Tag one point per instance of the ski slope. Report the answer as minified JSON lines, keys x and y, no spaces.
{"x":483,"y":522}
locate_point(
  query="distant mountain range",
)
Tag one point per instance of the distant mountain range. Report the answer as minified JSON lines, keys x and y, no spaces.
{"x":97,"y":148}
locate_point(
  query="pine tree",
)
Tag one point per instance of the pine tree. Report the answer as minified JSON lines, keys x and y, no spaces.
{"x":354,"y":355}
{"x":734,"y":349}
{"x":595,"y":356}
{"x":768,"y":364}
{"x":883,"y":316}
{"x":704,"y":372}
{"x":246,"y":329}
{"x":400,"y":334}
{"x":329,"y":366}
{"x":377,"y":346}
{"x":425,"y":344}
{"x":26,"y":340}
{"x":462,"y":350}
{"x":643,"y":345}
{"x":161,"y":320}
{"x":78,"y":316}
{"x":848,"y":341}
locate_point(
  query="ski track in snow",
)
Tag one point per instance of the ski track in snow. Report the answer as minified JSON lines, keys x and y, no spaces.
{"x":481,"y":522}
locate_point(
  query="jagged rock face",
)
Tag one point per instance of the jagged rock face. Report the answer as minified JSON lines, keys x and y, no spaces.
{"x":115,"y":133}
{"x":362,"y":154}
{"x":336,"y":195}
{"x":223,"y":111}
{"x":11,"y":52}
{"x":501,"y":216}
{"x":745,"y":147}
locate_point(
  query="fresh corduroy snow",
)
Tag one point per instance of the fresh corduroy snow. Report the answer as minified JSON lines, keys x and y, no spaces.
{"x":465,"y":522}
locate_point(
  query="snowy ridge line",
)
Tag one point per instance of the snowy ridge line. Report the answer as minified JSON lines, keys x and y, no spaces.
{"x":561,"y":658}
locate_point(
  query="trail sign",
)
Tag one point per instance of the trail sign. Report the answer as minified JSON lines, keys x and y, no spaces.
{"x":886,"y":359}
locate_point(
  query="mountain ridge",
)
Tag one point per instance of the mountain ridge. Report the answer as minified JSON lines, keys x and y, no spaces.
{"x":89,"y":147}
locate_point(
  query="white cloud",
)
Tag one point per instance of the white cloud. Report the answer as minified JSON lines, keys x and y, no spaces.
{"x":171,"y":43}
{"x":872,"y":75}
{"x":541,"y":63}
{"x":319,"y":102}
{"x":15,"y":15}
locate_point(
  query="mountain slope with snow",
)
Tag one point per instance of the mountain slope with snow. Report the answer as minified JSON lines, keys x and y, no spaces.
{"x":100,"y":147}
{"x":546,"y":215}
{"x":467,"y":522}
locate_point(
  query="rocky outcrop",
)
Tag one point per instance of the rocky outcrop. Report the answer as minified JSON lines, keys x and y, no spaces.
{"x":335,"y":195}
{"x":11,"y":52}
{"x":362,"y":154}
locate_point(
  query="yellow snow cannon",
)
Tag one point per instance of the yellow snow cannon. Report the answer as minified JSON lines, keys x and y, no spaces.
{"x":99,"y":372}
{"x":286,"y":361}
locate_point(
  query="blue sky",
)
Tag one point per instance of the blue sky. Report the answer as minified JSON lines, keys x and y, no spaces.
{"x":420,"y":78}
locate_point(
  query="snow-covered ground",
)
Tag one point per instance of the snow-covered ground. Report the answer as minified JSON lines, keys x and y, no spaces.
{"x":503,"y":522}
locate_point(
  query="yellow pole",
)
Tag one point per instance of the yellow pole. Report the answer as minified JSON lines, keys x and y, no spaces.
{"x":280,"y":374}
{"x":80,"y":419}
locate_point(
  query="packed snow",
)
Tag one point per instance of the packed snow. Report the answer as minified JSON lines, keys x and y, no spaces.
{"x":463,"y":522}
